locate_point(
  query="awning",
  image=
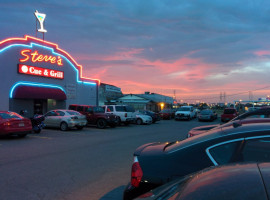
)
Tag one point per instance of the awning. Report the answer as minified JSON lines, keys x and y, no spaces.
{"x":35,"y":92}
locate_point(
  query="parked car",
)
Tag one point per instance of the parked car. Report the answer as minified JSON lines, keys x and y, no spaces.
{"x":167,"y":114}
{"x":263,"y":112}
{"x":207,"y":115}
{"x":142,"y":118}
{"x":160,"y":162}
{"x":11,"y":123}
{"x":65,"y":119}
{"x":201,"y":129}
{"x":236,"y":181}
{"x":185,"y":112}
{"x":96,"y":115}
{"x":124,"y":113}
{"x":228,"y":114}
{"x":155,"y":116}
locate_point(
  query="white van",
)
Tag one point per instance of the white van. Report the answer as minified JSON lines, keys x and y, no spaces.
{"x":124,"y":113}
{"x":185,"y":112}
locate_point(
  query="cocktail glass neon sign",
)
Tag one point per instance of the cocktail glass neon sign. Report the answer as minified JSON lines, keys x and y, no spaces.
{"x":41,"y":17}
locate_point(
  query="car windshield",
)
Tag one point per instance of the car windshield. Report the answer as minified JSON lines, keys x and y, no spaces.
{"x":73,"y":112}
{"x":10,"y":115}
{"x":99,"y":109}
{"x":184,"y":109}
{"x":206,"y":112}
{"x":229,"y":111}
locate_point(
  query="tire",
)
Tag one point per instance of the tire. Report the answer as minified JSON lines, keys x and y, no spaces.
{"x":139,"y":121}
{"x":79,"y":127}
{"x":127,"y":123}
{"x":21,"y":135}
{"x":64,"y":126}
{"x":118,"y":121}
{"x":112,"y":125}
{"x":37,"y":130}
{"x":101,"y":123}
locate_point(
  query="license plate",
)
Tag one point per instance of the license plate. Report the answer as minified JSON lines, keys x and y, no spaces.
{"x":21,"y":124}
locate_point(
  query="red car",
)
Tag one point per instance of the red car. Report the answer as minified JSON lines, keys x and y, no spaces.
{"x":12,"y":123}
{"x":229,"y":114}
{"x":167,"y":114}
{"x":202,"y":129}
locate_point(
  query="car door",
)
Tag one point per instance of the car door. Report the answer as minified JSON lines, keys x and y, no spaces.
{"x":59,"y":118}
{"x":50,"y":118}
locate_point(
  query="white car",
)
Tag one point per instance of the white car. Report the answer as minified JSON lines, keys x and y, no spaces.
{"x":65,"y":119}
{"x":185,"y":112}
{"x":142,"y":119}
{"x":124,"y":113}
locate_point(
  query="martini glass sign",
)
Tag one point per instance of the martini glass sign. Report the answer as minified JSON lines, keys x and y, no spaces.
{"x":41,"y":17}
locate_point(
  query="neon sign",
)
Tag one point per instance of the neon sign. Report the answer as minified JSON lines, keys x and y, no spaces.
{"x":36,"y":57}
{"x":41,"y":17}
{"x":29,"y":42}
{"x":38,"y":71}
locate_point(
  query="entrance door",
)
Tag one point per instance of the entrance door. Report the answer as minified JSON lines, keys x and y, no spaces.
{"x":38,"y":106}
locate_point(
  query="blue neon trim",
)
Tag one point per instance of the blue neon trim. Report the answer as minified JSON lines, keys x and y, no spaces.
{"x":35,"y":85}
{"x":52,"y":50}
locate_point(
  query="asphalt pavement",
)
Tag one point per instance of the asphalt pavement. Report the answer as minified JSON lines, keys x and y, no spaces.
{"x":88,"y":164}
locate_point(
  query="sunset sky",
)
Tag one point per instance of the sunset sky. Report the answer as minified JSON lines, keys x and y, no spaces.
{"x":197,"y":48}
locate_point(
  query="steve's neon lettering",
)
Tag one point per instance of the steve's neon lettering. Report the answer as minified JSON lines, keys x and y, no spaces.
{"x":36,"y":57}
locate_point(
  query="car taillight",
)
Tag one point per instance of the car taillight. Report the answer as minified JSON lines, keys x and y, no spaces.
{"x":7,"y":124}
{"x":136,"y":173}
{"x":125,"y":114}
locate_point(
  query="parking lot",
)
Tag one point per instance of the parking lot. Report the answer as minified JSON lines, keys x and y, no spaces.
{"x":78,"y":164}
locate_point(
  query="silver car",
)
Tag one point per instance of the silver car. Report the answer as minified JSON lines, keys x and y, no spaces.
{"x":65,"y":119}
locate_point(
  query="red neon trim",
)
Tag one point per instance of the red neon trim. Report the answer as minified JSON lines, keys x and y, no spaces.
{"x":28,"y":38}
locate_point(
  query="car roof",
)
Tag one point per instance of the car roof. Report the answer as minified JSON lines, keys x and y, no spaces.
{"x":219,"y":132}
{"x":227,"y":182}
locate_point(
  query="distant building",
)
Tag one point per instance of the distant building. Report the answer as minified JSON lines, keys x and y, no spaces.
{"x":107,"y":93}
{"x":147,"y":101}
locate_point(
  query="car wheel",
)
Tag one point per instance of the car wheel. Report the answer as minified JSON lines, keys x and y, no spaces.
{"x":188,"y":118}
{"x":101,"y":123}
{"x":118,"y":121}
{"x":127,"y":123}
{"x":21,"y":135}
{"x":79,"y":127}
{"x":112,"y":125}
{"x":64,"y":126}
{"x":139,"y":121}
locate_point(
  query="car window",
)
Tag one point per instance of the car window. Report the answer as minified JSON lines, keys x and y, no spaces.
{"x":129,"y":109}
{"x":90,"y":109}
{"x":223,"y":153}
{"x":110,"y":109}
{"x":120,"y":108}
{"x":80,"y":108}
{"x":60,"y":113}
{"x":229,"y":111}
{"x":72,"y":113}
{"x":184,"y":109}
{"x":10,"y":115}
{"x":99,"y":109}
{"x":257,"y":150}
{"x":51,"y":113}
{"x":72,"y":107}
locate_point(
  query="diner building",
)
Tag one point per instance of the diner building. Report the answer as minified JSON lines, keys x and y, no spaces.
{"x":38,"y":76}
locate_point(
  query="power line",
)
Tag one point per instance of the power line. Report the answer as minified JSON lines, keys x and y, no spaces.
{"x":231,"y":95}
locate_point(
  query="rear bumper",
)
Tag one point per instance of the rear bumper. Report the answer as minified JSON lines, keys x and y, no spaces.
{"x":132,"y":192}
